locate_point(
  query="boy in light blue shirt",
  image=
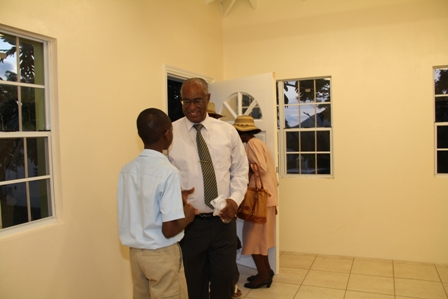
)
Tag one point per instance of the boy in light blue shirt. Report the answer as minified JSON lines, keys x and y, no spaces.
{"x":152,"y":214}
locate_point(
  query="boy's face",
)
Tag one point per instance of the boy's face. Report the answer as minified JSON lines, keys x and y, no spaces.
{"x":168,"y":137}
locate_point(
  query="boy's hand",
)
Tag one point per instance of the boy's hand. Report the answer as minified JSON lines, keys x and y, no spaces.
{"x":189,"y":212}
{"x":185,"y":194}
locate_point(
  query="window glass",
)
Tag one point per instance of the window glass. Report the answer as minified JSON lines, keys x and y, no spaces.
{"x":31,"y":62}
{"x":40,"y":199}
{"x":37,"y":156}
{"x":12,"y":159}
{"x":9,"y":112}
{"x":8,"y":59}
{"x":442,"y":162}
{"x":33,"y":109}
{"x":14,"y":204}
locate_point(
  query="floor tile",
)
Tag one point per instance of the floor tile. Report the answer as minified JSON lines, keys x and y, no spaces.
{"x":308,"y":292}
{"x":326,"y":279}
{"x":332,"y":264}
{"x":416,"y":271}
{"x":290,"y":275}
{"x":443,"y":272}
{"x":361,"y":295}
{"x":276,"y":291}
{"x":419,"y":289}
{"x":371,"y":284}
{"x":373,"y":267}
{"x":302,"y":261}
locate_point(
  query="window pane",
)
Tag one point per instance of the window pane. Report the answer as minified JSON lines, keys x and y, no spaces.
{"x":292,"y":163}
{"x":291,"y":116}
{"x":40,"y":199}
{"x":322,"y":90}
{"x":323,"y":116}
{"x":441,"y":81}
{"x":308,"y":165}
{"x":307,"y":142}
{"x":11,"y":159}
{"x":442,"y":162}
{"x":323,"y":164}
{"x":290,"y":91}
{"x":323,"y":141}
{"x":31,"y":62}
{"x":13,"y":204}
{"x":306,"y":91}
{"x":33,"y":109}
{"x":442,"y":137}
{"x":292,"y":141}
{"x":256,"y":112}
{"x":442,"y":109}
{"x":8,"y":65}
{"x":37,"y":156}
{"x":245,"y":102}
{"x":9,"y":114}
{"x":307,"y":119}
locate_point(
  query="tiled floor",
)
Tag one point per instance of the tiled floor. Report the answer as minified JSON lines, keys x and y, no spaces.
{"x":308,"y":276}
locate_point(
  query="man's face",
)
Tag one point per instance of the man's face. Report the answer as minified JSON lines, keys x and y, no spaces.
{"x":195,"y":103}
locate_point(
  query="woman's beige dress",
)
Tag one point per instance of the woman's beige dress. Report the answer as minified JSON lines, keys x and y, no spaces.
{"x":257,"y":237}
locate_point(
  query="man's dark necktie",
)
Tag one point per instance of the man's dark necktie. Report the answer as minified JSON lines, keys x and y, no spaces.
{"x":208,"y":172}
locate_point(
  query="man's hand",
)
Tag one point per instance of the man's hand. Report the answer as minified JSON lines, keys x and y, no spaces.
{"x":229,"y":212}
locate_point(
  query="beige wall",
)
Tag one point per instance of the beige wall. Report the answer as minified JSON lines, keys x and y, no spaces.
{"x":384,"y":200}
{"x":111,"y":57}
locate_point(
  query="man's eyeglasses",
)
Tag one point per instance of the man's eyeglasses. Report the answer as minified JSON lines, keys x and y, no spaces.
{"x":196,"y":102}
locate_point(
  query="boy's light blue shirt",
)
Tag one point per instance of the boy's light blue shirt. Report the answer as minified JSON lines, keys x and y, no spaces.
{"x":149,"y":193}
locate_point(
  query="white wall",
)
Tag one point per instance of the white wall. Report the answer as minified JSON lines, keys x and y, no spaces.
{"x":384,"y":200}
{"x":111,"y":57}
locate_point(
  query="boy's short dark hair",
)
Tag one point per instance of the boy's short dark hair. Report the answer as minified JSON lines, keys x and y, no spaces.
{"x":152,"y":123}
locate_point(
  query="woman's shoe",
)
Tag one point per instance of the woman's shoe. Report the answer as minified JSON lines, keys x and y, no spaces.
{"x":251,"y":278}
{"x":266,"y":283}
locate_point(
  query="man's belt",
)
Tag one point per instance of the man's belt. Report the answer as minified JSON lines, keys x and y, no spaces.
{"x":204,"y":215}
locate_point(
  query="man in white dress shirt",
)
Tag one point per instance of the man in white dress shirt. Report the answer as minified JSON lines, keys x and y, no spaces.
{"x":209,"y":244}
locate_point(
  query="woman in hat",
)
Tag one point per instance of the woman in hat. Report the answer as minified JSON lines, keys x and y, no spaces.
{"x":257,"y":237}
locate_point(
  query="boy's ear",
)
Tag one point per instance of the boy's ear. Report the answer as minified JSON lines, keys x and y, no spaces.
{"x":165,"y":134}
{"x":167,"y":139}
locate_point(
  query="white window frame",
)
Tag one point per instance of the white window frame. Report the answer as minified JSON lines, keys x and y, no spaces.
{"x":281,"y":133}
{"x":50,"y":88}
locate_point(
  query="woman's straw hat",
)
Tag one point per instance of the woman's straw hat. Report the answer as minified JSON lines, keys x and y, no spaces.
{"x":211,"y":110}
{"x":245,"y":123}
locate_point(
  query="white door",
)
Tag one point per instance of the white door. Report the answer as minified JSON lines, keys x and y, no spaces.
{"x":255,"y":96}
